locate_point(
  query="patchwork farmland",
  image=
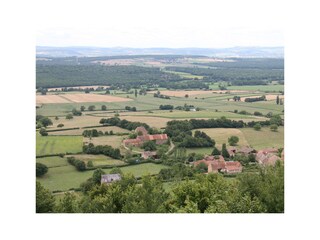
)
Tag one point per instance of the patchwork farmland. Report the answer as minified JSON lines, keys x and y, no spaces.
{"x":155,"y":122}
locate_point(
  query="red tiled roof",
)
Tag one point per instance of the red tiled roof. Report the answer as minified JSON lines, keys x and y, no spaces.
{"x":233,"y":166}
{"x":153,"y":137}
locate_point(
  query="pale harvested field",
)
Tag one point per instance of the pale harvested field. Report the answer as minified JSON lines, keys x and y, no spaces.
{"x":230,"y":91}
{"x":156,"y":122}
{"x":78,"y":98}
{"x":81,"y":87}
{"x":269,"y":97}
{"x":80,"y":131}
{"x":113,"y":141}
{"x":117,"y":62}
{"x":41,"y":99}
{"x":181,"y":93}
{"x":221,"y":135}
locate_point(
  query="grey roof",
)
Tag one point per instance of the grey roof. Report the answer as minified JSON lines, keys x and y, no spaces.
{"x":108,"y":178}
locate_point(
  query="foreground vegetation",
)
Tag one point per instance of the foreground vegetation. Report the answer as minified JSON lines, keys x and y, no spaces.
{"x":249,"y":193}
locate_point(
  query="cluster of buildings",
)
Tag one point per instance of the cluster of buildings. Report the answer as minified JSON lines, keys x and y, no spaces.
{"x":215,"y":164}
{"x":143,"y":137}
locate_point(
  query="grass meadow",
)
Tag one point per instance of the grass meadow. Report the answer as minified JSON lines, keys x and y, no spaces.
{"x":66,"y":177}
{"x":58,"y":144}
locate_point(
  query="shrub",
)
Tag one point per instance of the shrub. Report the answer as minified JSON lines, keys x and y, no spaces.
{"x":90,"y":164}
{"x":41,"y":169}
{"x":43,"y":132}
{"x":69,"y":116}
{"x":233,"y":140}
{"x":257,"y":127}
{"x":60,"y":125}
{"x":274,"y":127}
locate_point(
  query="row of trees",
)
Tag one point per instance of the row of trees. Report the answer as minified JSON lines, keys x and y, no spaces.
{"x":105,"y":150}
{"x":256,"y":99}
{"x":200,"y":139}
{"x":115,"y":121}
{"x":166,"y":107}
{"x":174,"y":127}
{"x":249,"y":193}
{"x":79,"y":164}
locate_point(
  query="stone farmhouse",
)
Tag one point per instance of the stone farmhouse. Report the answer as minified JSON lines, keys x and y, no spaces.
{"x":110,"y":178}
{"x":143,"y":136}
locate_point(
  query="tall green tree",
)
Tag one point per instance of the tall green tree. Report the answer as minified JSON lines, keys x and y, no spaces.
{"x":224,"y":151}
{"x":44,"y":200}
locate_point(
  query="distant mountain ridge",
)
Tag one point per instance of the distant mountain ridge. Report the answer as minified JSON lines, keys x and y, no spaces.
{"x":254,"y":52}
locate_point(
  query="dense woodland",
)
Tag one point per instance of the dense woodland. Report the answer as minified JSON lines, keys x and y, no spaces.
{"x":72,"y":71}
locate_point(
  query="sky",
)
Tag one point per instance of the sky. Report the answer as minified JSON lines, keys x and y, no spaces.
{"x":146,"y":24}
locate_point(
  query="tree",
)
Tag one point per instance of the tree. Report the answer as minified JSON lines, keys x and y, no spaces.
{"x":56,"y":118}
{"x":201,"y":168}
{"x":276,"y":119}
{"x":69,"y":116}
{"x":90,"y":164}
{"x":257,"y":127}
{"x":233,"y":140}
{"x":224,"y":151}
{"x":103,"y":107}
{"x":68,"y":204}
{"x":41,"y":169}
{"x":186,"y":96}
{"x":60,"y":125}
{"x":116,"y":170}
{"x":75,"y":112}
{"x":274,"y":127}
{"x":135,"y":93}
{"x":215,"y":152}
{"x":278,"y":100}
{"x":149,"y":146}
{"x":43,"y":132}
{"x":91,"y":108}
{"x":82,"y":108}
{"x":45,"y":121}
{"x":96,"y":176}
{"x":44,"y":200}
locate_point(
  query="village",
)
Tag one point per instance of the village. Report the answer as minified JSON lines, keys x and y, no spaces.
{"x":212,"y":163}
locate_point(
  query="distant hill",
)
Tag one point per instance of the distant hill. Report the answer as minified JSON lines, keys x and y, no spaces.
{"x":243,"y":52}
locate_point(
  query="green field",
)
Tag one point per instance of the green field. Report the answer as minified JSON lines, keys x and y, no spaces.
{"x":264,"y":138}
{"x":221,"y":135}
{"x":52,"y":162}
{"x":98,"y":160}
{"x":262,"y":88}
{"x":58,"y":144}
{"x":67,"y":177}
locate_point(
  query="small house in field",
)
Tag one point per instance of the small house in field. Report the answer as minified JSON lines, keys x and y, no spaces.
{"x":110,"y":178}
